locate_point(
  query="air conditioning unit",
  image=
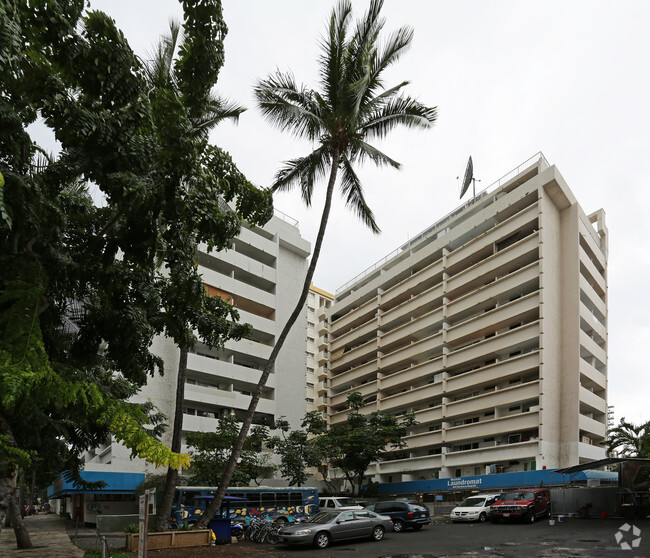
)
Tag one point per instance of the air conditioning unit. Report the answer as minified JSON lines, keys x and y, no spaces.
{"x":586,"y":440}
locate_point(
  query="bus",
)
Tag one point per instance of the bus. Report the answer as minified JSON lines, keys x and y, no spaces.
{"x":283,"y":503}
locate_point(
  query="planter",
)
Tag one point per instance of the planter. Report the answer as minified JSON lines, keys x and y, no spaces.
{"x":170,"y":539}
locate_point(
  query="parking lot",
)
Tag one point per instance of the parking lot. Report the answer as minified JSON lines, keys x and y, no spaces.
{"x":572,"y":538}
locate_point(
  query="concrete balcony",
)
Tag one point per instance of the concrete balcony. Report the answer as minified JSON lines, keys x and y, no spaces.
{"x":192,"y":423}
{"x":592,"y":374}
{"x":425,"y":439}
{"x":507,"y":258}
{"x":322,"y":342}
{"x":322,"y":372}
{"x":412,"y":354}
{"x":321,"y":313}
{"x":514,"y":366}
{"x":596,"y":403}
{"x":594,"y":273}
{"x":426,"y":416}
{"x":598,"y":429}
{"x":355,"y":375}
{"x":488,"y":292}
{"x":258,"y":322}
{"x":493,"y":454}
{"x":243,"y":290}
{"x":593,"y":321}
{"x":415,"y":329}
{"x":518,"y":221}
{"x":587,"y":231}
{"x":591,"y":451}
{"x":593,"y":347}
{"x":250,"y":348}
{"x":322,"y":357}
{"x":354,"y":318}
{"x":365,"y":389}
{"x":358,"y":332}
{"x":226,"y":370}
{"x":259,"y":242}
{"x":494,"y":345}
{"x":414,"y":307}
{"x":504,"y":425}
{"x":593,"y":296}
{"x":522,"y":309}
{"x":410,"y":397}
{"x":423,"y":463}
{"x":416,"y":283}
{"x":489,"y":400}
{"x":221,"y":398}
{"x":356,"y":355}
{"x":411,"y":375}
{"x":341,"y":415}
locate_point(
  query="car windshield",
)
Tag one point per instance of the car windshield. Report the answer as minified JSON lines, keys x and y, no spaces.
{"x":472,"y":502}
{"x":346,"y":502}
{"x":323,"y":517}
{"x":517,"y":496}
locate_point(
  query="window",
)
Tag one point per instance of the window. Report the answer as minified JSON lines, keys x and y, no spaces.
{"x":310,"y":385}
{"x":310,"y":339}
{"x":310,"y":370}
{"x":514,"y":438}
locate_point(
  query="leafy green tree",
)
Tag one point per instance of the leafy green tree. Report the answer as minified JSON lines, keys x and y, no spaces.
{"x":82,"y":290}
{"x":629,"y":439}
{"x":351,"y":108}
{"x":362,"y":439}
{"x":210,"y":452}
{"x":296,"y":452}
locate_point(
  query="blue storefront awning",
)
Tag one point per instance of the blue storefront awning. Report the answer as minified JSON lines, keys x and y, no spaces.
{"x":116,"y":483}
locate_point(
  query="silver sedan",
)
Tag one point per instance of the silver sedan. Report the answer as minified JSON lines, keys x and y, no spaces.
{"x":330,"y":526}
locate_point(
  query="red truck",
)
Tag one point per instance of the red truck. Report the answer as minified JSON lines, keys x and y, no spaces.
{"x":528,"y":504}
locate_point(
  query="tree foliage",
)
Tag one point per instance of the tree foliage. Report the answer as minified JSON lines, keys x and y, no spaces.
{"x":210,"y":452}
{"x":350,"y":108}
{"x":362,"y":439}
{"x":85,"y":287}
{"x":629,"y":439}
{"x":296,"y":451}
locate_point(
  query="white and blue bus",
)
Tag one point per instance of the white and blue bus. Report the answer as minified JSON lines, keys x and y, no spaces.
{"x":280,"y":503}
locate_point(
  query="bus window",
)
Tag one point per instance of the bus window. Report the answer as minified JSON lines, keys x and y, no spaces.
{"x":189,"y":499}
{"x":267,"y":499}
{"x":295,"y":499}
{"x":253,"y":499}
{"x":282,"y":499}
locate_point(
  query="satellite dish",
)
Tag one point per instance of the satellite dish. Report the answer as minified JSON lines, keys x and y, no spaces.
{"x":469,"y":176}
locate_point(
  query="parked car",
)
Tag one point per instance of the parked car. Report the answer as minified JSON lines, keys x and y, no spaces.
{"x":403,"y":514}
{"x":474,"y":508}
{"x":336,"y":525}
{"x":522,"y":504}
{"x":337,"y":503}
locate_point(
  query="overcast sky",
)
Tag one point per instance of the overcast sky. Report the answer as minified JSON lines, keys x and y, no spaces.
{"x":510,"y":78}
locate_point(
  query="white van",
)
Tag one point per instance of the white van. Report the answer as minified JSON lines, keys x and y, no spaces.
{"x":474,"y":508}
{"x":338,"y":503}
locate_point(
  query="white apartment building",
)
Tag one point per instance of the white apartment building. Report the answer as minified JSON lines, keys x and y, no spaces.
{"x":318,"y":304}
{"x":262,"y":273}
{"x":491,"y":327}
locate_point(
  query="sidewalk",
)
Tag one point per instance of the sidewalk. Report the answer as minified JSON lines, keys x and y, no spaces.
{"x":48,"y":535}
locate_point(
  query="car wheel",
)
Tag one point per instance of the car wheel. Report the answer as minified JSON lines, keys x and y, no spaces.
{"x":482,"y":518}
{"x":281,"y":521}
{"x":530,"y":516}
{"x":417,"y":527}
{"x":377,"y":533}
{"x":322,"y":540}
{"x":398,"y":526}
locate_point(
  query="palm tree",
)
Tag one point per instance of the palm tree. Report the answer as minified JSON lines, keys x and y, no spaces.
{"x":163,"y":82}
{"x":351,"y":107}
{"x":630,"y":440}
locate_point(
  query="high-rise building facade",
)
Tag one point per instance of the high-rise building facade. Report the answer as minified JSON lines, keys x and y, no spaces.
{"x":491,"y":327}
{"x":318,"y":304}
{"x":261,"y":274}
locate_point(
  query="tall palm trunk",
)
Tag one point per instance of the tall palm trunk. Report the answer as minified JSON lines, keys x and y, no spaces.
{"x":243,"y":432}
{"x":167,"y":498}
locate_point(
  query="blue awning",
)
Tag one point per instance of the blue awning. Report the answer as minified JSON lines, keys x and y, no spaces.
{"x":116,"y":483}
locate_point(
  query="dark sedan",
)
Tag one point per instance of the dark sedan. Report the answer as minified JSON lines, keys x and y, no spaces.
{"x":331,"y":526}
{"x":403,"y":514}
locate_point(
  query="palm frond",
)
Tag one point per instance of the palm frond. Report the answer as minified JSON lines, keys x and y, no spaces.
{"x":304,"y":172}
{"x":399,"y":111}
{"x":354,"y":198}
{"x":362,"y":151}
{"x":219,"y":109}
{"x":159,"y":68}
{"x":331,"y":62}
{"x":289,"y":108}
